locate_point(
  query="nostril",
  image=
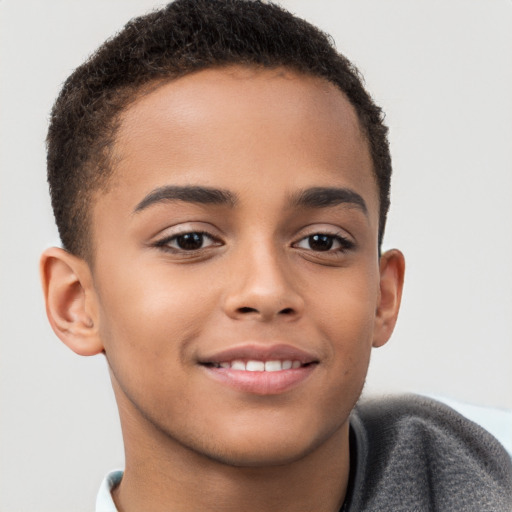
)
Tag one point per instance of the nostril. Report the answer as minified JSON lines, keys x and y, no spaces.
{"x":247,"y":310}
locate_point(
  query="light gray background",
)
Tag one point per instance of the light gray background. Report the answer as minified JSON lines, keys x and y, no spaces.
{"x":442,"y":71}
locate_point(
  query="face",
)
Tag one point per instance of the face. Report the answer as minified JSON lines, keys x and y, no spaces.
{"x":236,"y":268}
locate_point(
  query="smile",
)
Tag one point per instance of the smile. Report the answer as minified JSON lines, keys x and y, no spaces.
{"x":260,"y":370}
{"x":259,"y":366}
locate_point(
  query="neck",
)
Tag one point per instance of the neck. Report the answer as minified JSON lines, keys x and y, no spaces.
{"x":162,"y":474}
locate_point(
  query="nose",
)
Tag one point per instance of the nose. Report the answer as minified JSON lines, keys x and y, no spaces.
{"x":262,"y":288}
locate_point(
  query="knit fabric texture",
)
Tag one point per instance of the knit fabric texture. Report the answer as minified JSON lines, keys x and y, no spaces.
{"x":413,"y":454}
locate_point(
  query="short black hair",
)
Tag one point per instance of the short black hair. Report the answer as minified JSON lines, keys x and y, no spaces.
{"x":181,"y":38}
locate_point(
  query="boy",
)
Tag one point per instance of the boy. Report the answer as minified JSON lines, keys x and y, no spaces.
{"x":220,"y":180}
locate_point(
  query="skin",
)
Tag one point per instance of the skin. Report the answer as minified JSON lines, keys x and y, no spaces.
{"x":156,"y":311}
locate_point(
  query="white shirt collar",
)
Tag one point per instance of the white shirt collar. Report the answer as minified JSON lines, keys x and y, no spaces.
{"x":104,"y":501}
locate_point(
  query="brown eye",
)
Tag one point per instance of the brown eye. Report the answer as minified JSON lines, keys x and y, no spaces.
{"x":190,"y":241}
{"x":324,"y":242}
{"x":187,"y":242}
{"x":320,"y":242}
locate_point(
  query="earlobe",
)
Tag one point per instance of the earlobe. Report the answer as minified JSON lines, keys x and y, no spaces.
{"x":71,"y":303}
{"x":392,"y":270}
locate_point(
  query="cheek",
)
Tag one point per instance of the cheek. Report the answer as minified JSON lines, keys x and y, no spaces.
{"x":148,"y":324}
{"x":346,"y":319}
{"x":151,"y":315}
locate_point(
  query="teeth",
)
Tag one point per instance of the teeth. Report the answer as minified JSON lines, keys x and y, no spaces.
{"x":273,"y":366}
{"x":259,"y":366}
{"x":255,"y":366}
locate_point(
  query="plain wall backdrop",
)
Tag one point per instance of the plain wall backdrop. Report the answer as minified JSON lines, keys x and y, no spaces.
{"x":441,"y":69}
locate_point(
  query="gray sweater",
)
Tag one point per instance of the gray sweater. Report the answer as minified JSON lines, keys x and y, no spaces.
{"x":412,"y":454}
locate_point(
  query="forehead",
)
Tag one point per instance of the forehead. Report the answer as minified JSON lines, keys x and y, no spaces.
{"x":236,"y":97}
{"x":227,"y":92}
{"x":236,"y":126}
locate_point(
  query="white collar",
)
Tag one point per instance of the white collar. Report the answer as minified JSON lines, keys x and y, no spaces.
{"x":104,"y":501}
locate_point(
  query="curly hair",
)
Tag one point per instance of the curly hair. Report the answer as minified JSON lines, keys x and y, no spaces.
{"x":184,"y":37}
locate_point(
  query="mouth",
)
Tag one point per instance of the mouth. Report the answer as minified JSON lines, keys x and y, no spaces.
{"x":260,"y":370}
{"x":254,"y":365}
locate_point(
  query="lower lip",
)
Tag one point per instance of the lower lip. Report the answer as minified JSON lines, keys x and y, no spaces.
{"x":261,"y":383}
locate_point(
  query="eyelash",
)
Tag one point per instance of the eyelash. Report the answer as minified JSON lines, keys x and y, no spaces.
{"x":344,"y":243}
{"x":164,"y":244}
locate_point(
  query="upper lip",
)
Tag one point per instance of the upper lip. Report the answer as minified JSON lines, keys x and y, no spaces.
{"x":254,"y":351}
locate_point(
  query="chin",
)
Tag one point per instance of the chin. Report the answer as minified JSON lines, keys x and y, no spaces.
{"x":259,"y":456}
{"x":264,"y":447}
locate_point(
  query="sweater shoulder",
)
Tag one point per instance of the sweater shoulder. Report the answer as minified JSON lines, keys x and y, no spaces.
{"x":414,"y":453}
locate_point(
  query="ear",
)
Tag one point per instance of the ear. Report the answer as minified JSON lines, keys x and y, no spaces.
{"x":71,"y":302}
{"x":392,"y":269}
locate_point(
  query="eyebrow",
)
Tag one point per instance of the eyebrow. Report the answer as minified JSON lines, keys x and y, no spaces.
{"x":190,"y":194}
{"x":324,"y":197}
